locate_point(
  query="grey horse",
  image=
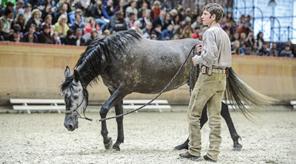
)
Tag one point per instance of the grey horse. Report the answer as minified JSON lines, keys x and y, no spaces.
{"x":129,"y":63}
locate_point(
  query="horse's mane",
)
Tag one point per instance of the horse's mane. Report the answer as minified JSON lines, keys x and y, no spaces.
{"x":104,"y":50}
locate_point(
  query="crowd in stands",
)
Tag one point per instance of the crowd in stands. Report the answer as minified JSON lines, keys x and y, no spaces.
{"x":78,"y":22}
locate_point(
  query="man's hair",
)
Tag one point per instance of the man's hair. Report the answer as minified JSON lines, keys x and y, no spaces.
{"x":214,"y":8}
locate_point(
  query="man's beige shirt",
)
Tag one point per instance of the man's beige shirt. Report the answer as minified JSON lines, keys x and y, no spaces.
{"x":216,"y":48}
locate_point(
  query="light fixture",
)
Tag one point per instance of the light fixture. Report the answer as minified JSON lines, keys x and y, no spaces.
{"x":272,"y":3}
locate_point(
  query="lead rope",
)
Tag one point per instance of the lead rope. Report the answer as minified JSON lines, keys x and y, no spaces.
{"x":169,"y":83}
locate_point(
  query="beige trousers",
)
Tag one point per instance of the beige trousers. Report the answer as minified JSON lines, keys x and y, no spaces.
{"x":208,"y":90}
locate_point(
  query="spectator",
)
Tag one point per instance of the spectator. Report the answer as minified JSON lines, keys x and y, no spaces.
{"x":264,"y":51}
{"x":160,"y":19}
{"x":107,"y":9}
{"x":196,"y":24}
{"x":48,"y":10}
{"x":118,"y":23}
{"x":259,"y":41}
{"x":242,"y":43}
{"x":155,"y":12}
{"x":16,"y":36}
{"x":93,"y":36}
{"x":167,"y":4}
{"x":28,"y":11}
{"x":31,"y":36}
{"x":156,"y":33}
{"x":145,"y":17}
{"x":3,"y":35}
{"x":45,"y":35}
{"x":186,"y":30}
{"x":63,"y":10}
{"x":147,"y":31}
{"x":286,"y":52}
{"x":131,"y":20}
{"x":70,"y":38}
{"x":145,"y":10}
{"x":61,"y":27}
{"x":132,"y":8}
{"x":35,"y":19}
{"x":56,"y":37}
{"x":250,"y":43}
{"x":47,"y":21}
{"x":80,"y":41}
{"x":20,"y":20}
{"x":19,"y":7}
{"x":235,"y":44}
{"x":78,"y":23}
{"x":6,"y":20}
{"x":274,"y":51}
{"x":91,"y":25}
{"x":168,"y":33}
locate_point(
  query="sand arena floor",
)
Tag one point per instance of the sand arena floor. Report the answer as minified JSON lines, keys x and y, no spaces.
{"x":149,"y":138}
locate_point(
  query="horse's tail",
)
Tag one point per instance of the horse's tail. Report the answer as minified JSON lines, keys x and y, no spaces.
{"x":242,"y":95}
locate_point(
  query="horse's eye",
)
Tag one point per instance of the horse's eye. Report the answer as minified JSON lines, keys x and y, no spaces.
{"x":75,"y":97}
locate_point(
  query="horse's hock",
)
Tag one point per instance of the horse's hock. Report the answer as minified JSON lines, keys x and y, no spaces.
{"x":36,"y":71}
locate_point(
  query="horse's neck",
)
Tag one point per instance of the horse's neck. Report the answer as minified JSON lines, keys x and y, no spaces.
{"x":87,"y":74}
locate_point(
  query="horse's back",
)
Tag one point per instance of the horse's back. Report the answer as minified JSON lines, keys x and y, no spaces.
{"x":154,"y":63}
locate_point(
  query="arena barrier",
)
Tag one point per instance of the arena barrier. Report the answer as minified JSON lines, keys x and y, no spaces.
{"x":37,"y":70}
{"x":58,"y":105}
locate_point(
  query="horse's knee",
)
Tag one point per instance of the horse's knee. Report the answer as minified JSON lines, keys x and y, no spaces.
{"x":103,"y":112}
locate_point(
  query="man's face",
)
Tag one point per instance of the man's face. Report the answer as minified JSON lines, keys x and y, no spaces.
{"x":207,"y":18}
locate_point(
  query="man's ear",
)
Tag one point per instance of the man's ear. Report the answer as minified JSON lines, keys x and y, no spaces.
{"x":213,"y":16}
{"x":76,"y":76}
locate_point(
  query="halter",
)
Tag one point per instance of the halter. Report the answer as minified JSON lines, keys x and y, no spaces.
{"x":75,"y":110}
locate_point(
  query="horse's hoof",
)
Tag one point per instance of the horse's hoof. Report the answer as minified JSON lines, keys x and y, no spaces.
{"x":181,"y":147}
{"x":108,"y":144}
{"x":116,"y":147}
{"x":237,"y":147}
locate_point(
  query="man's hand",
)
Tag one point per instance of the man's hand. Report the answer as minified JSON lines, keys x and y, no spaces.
{"x":198,"y":48}
{"x":196,"y":60}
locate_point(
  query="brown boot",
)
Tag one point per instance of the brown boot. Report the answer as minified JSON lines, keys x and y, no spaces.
{"x":189,"y":156}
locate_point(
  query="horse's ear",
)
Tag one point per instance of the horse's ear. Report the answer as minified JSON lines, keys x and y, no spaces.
{"x":76,"y":75}
{"x":67,"y":72}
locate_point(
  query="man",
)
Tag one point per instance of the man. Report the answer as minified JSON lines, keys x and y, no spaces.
{"x":209,"y":89}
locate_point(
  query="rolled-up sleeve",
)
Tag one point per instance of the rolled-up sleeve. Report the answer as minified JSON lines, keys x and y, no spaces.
{"x":209,"y":54}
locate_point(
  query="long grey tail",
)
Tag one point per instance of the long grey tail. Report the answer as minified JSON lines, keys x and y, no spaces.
{"x":242,"y":95}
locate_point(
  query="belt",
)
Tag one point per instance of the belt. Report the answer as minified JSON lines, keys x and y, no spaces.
{"x":217,"y":70}
{"x":209,"y":71}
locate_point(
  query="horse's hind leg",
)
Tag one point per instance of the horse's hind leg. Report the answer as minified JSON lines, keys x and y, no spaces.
{"x":235,"y":137}
{"x":119,"y":120}
{"x":226,"y":115}
{"x":203,"y":120}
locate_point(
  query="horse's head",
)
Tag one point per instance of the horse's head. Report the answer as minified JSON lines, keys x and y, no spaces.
{"x":76,"y":98}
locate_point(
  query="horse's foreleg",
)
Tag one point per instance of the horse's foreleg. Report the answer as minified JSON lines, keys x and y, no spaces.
{"x":235,"y":137}
{"x":119,"y":120}
{"x":115,"y":96}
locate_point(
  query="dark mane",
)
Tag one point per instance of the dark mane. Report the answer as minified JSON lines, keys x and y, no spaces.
{"x":101,"y":52}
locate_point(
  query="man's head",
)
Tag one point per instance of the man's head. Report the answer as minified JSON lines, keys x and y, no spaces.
{"x":212,"y":12}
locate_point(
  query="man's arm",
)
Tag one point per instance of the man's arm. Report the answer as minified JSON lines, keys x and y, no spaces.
{"x":209,"y":53}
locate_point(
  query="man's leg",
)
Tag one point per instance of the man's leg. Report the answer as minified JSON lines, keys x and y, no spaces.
{"x":201,"y":94}
{"x":214,"y":115}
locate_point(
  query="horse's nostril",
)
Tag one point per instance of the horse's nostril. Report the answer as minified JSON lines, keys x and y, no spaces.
{"x":70,"y":127}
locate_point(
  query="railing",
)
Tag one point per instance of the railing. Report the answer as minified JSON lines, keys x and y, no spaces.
{"x":276,"y":32}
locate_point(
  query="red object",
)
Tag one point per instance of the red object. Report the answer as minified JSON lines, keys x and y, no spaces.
{"x":195,"y":36}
